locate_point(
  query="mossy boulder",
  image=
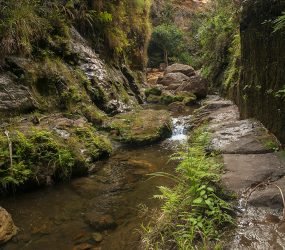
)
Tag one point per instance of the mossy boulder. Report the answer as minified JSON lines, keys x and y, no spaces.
{"x":153,"y":91}
{"x":54,"y":149}
{"x":141,"y":127}
{"x":168,"y":98}
{"x":188,"y":98}
{"x":153,"y":99}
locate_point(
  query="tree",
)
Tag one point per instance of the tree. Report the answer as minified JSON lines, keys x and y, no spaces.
{"x":168,"y":38}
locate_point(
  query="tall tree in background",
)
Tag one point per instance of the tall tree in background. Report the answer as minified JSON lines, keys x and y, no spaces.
{"x":168,"y":38}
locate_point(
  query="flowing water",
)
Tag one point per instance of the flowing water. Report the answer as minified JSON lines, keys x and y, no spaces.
{"x":59,"y":217}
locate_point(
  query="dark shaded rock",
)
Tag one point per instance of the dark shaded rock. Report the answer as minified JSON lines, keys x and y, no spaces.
{"x":262,"y":65}
{"x":14,"y":97}
{"x":244,"y":171}
{"x":100,"y":222}
{"x":177,"y":106}
{"x":180,"y":68}
{"x":195,"y":84}
{"x":268,"y":196}
{"x":7,"y":227}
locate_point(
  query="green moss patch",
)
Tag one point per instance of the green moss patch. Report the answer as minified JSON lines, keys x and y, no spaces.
{"x":153,"y":91}
{"x":54,"y":150}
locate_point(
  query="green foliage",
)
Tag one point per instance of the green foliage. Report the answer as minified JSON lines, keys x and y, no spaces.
{"x":96,"y":146}
{"x":153,"y":91}
{"x":194,"y":210}
{"x":233,"y":70}
{"x":279,"y":23}
{"x":21,"y":26}
{"x":219,"y":45}
{"x":168,"y":38}
{"x":29,"y":154}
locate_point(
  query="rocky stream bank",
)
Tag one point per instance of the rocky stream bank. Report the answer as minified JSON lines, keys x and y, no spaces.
{"x":254,"y":172}
{"x":102,"y":209}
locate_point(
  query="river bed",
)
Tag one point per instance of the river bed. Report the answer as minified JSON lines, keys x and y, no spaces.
{"x":60,"y":217}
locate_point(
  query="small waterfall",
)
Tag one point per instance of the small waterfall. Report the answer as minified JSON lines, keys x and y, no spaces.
{"x":179,"y":129}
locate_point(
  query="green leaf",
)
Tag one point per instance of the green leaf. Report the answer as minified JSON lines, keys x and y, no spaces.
{"x":198,"y":200}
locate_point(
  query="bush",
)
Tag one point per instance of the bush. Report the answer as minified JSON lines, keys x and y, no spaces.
{"x":29,"y":155}
{"x":21,"y":26}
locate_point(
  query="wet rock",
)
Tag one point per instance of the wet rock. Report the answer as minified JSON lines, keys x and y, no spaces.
{"x":196,"y":85}
{"x":238,"y":137}
{"x":142,"y":164}
{"x":141,"y":127}
{"x":244,"y":171}
{"x":177,"y":106}
{"x":83,"y":246}
{"x":100,"y":222}
{"x":97,"y":237}
{"x":7,"y":227}
{"x":87,"y":186}
{"x":180,"y":68}
{"x":14,"y":97}
{"x":269,"y":196}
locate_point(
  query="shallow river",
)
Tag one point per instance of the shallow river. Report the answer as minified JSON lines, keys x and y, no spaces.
{"x":60,"y":217}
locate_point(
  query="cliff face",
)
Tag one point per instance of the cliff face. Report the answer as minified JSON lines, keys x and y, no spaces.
{"x":97,"y":60}
{"x":58,"y":89}
{"x":260,"y":92}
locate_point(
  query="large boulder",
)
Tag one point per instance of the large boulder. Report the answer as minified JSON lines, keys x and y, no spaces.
{"x":7,"y":227}
{"x":141,"y":127}
{"x":173,"y":78}
{"x":198,"y":85}
{"x":180,"y":68}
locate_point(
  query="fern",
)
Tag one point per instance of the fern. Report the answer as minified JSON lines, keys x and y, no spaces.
{"x":279,"y":23}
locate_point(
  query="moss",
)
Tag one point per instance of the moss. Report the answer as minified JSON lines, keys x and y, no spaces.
{"x":153,"y":91}
{"x":35,"y":156}
{"x":96,"y":146}
{"x":93,"y":114}
{"x":153,"y":99}
{"x":40,"y":155}
{"x":168,"y":98}
{"x":141,"y":127}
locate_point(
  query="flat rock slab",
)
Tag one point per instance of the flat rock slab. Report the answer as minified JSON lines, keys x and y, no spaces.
{"x":244,"y":171}
{"x":268,"y":196}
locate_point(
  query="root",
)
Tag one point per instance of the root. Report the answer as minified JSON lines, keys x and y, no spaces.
{"x":267,"y":184}
{"x":10,"y":148}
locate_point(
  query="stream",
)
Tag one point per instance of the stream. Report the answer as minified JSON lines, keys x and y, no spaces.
{"x":63,"y":216}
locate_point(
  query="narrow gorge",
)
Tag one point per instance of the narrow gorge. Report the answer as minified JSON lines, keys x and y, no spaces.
{"x":144,"y":124}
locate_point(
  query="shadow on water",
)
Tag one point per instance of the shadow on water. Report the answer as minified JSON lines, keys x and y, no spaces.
{"x":66,"y":216}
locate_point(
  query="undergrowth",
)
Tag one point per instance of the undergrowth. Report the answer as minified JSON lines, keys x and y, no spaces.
{"x":194,"y":212}
{"x":30,"y":156}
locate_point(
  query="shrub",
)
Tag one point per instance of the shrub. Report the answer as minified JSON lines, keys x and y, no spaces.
{"x":21,"y":26}
{"x":30,"y":153}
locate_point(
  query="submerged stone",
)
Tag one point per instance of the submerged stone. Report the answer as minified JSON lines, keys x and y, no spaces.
{"x":7,"y":227}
